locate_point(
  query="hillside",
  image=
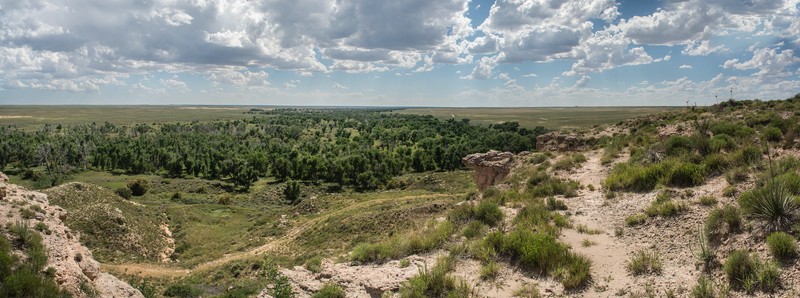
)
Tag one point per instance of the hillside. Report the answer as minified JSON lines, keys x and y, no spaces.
{"x":115,"y":229}
{"x":41,"y":257}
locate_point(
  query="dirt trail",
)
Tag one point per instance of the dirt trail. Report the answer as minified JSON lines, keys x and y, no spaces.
{"x":274,"y":245}
{"x":607,"y":253}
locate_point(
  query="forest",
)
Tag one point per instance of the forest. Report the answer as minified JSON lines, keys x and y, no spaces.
{"x":358,"y":148}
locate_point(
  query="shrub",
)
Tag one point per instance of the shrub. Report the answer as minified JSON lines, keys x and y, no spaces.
{"x":489,"y":270}
{"x":729,"y":191}
{"x":554,"y":204}
{"x":435,"y":282}
{"x":737,"y":175}
{"x":722,"y":221}
{"x":771,"y":204}
{"x":686,"y":175}
{"x":424,"y":240}
{"x":139,"y":187}
{"x":291,"y":192}
{"x":630,"y":177}
{"x":635,"y":219}
{"x":769,"y":276}
{"x":124,"y":192}
{"x":314,"y":264}
{"x":708,"y":201}
{"x":704,"y":288}
{"x":488,"y":212}
{"x":330,"y":290}
{"x":664,"y":206}
{"x":541,"y":185}
{"x":747,"y":155}
{"x":576,"y":272}
{"x":644,"y":262}
{"x":722,"y":142}
{"x":783,"y":246}
{"x":677,"y":145}
{"x":740,"y":268}
{"x":716,"y":163}
{"x":772,"y":134}
{"x":567,"y":163}
{"x":473,"y":229}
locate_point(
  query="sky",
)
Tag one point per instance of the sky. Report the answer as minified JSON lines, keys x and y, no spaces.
{"x":398,"y":52}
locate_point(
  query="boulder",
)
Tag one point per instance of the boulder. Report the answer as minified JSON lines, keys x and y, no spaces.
{"x":490,"y":167}
{"x":3,"y":177}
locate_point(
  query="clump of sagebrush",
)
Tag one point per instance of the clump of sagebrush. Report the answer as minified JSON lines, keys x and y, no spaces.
{"x":424,"y":240}
{"x":569,"y":162}
{"x":644,"y":262}
{"x":542,"y":185}
{"x":722,"y":221}
{"x":748,"y":273}
{"x":639,"y":177}
{"x":489,"y":270}
{"x":771,"y":204}
{"x":436,"y":282}
{"x":783,"y":246}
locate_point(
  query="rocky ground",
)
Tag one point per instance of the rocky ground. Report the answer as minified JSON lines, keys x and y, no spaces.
{"x":73,"y":263}
{"x":611,"y":247}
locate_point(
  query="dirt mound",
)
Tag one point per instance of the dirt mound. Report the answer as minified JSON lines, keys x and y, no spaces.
{"x":76,"y":271}
{"x":490,"y":167}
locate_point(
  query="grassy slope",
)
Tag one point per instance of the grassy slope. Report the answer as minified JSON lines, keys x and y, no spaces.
{"x":114,"y":229}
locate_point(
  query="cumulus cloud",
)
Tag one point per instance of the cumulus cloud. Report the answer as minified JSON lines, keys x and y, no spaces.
{"x":685,"y":66}
{"x":702,"y":48}
{"x":770,"y":63}
{"x":198,"y":36}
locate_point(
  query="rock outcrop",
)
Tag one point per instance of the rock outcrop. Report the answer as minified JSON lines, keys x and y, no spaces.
{"x":559,"y":142}
{"x":73,"y":262}
{"x":490,"y":167}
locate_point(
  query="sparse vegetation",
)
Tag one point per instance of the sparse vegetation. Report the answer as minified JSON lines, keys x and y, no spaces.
{"x":636,"y":219}
{"x":436,"y":282}
{"x":704,"y":288}
{"x":708,"y":201}
{"x":433,"y":236}
{"x":644,"y":262}
{"x":569,"y":162}
{"x":748,"y":273}
{"x":722,"y":221}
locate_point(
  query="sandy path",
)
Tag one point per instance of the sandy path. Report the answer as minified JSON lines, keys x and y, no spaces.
{"x":276,"y":245}
{"x":608,"y":254}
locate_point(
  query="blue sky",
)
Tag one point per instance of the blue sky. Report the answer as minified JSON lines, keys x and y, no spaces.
{"x":398,"y":53}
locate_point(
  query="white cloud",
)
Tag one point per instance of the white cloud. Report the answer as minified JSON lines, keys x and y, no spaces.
{"x":685,"y":66}
{"x":339,"y":86}
{"x":702,"y":48}
{"x":770,"y":63}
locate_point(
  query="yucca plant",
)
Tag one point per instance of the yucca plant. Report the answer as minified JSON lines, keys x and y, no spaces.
{"x":771,"y":204}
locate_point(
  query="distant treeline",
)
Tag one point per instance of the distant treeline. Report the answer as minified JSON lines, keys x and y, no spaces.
{"x":359,"y":148}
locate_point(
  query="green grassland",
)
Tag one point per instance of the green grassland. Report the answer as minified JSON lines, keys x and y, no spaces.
{"x":552,"y":118}
{"x":35,"y":116}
